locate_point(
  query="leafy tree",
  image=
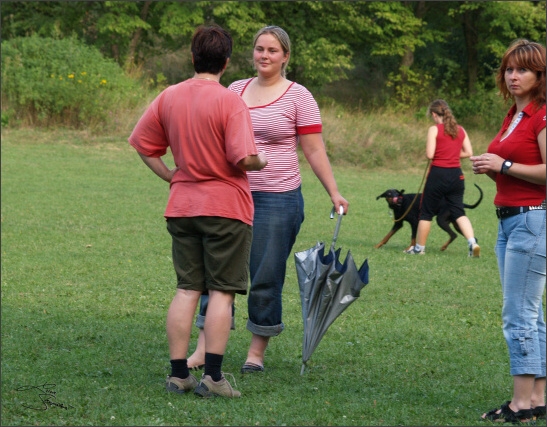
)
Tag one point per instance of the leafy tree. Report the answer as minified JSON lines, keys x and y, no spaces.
{"x":123,"y":22}
{"x":488,"y":27}
{"x":396,"y":30}
{"x":401,"y":52}
{"x":320,"y":53}
{"x":42,"y":18}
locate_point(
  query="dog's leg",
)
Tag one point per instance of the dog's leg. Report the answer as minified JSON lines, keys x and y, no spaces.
{"x":412,"y":244}
{"x":385,"y":239}
{"x":443,"y":220}
{"x":445,"y":246}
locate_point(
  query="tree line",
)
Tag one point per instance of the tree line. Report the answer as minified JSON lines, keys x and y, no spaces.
{"x":398,"y":52}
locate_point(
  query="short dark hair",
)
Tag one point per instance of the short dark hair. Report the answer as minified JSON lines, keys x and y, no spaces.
{"x":211,"y":47}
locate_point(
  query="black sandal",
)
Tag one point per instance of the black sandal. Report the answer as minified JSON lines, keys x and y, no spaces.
{"x":249,"y":368}
{"x":538,"y":412}
{"x":507,"y":415}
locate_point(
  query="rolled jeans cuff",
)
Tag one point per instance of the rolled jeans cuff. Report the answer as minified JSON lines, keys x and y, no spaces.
{"x":265,"y":331}
{"x":200,"y":322}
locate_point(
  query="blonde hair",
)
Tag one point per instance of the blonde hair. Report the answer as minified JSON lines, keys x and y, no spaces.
{"x":441,"y":108}
{"x":282,"y":37}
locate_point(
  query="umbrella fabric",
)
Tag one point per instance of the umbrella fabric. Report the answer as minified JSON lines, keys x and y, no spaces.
{"x":327,"y":288}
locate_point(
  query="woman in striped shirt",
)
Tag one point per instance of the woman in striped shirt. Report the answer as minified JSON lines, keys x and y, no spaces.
{"x":284,"y":114}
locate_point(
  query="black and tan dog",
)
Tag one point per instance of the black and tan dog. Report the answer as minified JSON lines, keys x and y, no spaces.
{"x":400,"y":203}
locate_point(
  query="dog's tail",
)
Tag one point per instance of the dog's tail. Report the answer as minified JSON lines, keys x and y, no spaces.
{"x":477,"y":203}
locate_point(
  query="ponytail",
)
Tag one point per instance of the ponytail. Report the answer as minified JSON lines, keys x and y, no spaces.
{"x":441,"y":108}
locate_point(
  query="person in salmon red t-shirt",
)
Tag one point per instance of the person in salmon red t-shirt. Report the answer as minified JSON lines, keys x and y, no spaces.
{"x":515,"y":160}
{"x":447,"y":143}
{"x":284,"y":115}
{"x":210,"y":208}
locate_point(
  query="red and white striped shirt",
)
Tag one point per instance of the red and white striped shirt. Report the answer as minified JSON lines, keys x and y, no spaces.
{"x":276,"y":128}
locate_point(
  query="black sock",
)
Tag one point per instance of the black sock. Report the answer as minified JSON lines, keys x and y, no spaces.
{"x":179,"y":368}
{"x":213,"y":363}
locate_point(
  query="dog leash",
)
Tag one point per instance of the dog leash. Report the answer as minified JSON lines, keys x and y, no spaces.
{"x":417,"y":193}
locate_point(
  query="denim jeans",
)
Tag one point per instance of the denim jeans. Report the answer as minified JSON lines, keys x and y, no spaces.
{"x":277,"y":221}
{"x":520,"y":250}
{"x":200,"y":320}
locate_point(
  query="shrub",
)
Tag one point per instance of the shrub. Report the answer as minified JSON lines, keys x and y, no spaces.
{"x":49,"y":82}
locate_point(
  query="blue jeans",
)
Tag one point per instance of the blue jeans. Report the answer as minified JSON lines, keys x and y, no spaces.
{"x":277,"y":221}
{"x":203,"y":303}
{"x":520,"y":250}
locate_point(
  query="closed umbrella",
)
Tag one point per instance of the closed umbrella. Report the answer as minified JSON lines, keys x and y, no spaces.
{"x":327,"y":288}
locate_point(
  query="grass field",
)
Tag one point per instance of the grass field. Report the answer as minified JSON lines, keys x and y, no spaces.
{"x":87,"y":279}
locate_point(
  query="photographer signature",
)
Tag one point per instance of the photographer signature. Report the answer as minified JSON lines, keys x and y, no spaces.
{"x":47,"y":396}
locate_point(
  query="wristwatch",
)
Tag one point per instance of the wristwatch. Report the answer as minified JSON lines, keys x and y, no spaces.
{"x":505,"y":166}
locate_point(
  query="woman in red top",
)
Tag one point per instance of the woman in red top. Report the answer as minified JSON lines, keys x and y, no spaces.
{"x":447,"y":142}
{"x":516,"y":162}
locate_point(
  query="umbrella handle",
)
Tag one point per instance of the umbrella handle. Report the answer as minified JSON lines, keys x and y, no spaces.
{"x":337,"y":228}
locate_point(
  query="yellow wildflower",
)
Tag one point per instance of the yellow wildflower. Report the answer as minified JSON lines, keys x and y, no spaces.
{"x":71,"y":76}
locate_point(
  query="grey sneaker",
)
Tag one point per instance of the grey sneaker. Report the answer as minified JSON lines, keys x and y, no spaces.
{"x":474,"y":250}
{"x":179,"y":385}
{"x":412,"y":251}
{"x":208,"y":388}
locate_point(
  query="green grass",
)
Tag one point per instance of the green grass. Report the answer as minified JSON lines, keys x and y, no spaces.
{"x":87,"y":279}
